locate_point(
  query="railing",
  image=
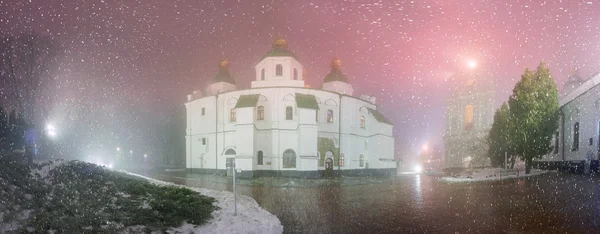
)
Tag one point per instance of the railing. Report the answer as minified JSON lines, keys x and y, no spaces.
{"x":508,"y":172}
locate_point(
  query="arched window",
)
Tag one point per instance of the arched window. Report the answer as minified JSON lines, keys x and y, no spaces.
{"x":469,"y":117}
{"x":289,"y":113}
{"x":362,"y":122}
{"x":361,"y":161}
{"x":260,"y":113}
{"x":262,"y":74}
{"x":295,"y":74}
{"x":317,"y":115}
{"x":230,"y":152}
{"x":575,"y":137}
{"x":259,"y":157}
{"x":329,"y":116}
{"x":289,"y":159}
{"x":232,"y":116}
{"x":278,"y":70}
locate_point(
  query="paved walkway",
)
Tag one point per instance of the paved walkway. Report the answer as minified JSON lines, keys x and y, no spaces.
{"x":551,"y":203}
{"x":278,"y":181}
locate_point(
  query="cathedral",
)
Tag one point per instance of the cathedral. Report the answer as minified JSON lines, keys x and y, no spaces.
{"x":469,"y":117}
{"x":281,"y":127}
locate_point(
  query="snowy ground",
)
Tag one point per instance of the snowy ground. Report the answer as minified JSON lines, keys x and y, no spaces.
{"x":250,"y":217}
{"x":57,"y":194}
{"x":490,"y":174}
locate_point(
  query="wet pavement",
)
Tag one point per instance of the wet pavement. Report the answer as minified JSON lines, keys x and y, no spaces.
{"x":554,"y":202}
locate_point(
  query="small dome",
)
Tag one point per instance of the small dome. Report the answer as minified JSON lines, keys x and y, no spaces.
{"x":572,"y":83}
{"x":336,"y":72}
{"x":223,"y":74}
{"x":280,"y":49}
{"x":574,"y":80}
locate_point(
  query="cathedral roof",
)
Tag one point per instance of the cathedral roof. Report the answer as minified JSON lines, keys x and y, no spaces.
{"x":306,"y":101}
{"x":223,"y":74}
{"x":247,"y":101}
{"x":279,"y":49}
{"x":336,"y":73}
{"x":379,"y":117}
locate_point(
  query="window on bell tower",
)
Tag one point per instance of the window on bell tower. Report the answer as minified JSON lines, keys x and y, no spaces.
{"x":469,"y":117}
{"x":262,"y":74}
{"x":295,"y":74}
{"x":278,"y":70}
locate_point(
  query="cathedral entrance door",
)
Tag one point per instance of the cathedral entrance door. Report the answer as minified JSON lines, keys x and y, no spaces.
{"x":329,"y":167}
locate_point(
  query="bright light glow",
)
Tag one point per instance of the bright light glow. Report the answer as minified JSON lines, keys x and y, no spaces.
{"x":118,"y":149}
{"x":472,"y":64}
{"x":110,"y":166}
{"x":145,"y":155}
{"x":418,"y":168}
{"x":425,"y":147}
{"x":51,"y":130}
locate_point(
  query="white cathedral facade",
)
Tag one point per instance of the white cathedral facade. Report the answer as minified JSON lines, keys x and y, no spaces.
{"x":279,"y":127}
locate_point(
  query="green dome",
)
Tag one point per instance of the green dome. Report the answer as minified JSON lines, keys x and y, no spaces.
{"x":279,"y":49}
{"x":223,"y":75}
{"x":336,"y":73}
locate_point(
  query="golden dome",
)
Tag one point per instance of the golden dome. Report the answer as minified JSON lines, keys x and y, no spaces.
{"x":224,"y":63}
{"x":336,"y":63}
{"x":280,"y":43}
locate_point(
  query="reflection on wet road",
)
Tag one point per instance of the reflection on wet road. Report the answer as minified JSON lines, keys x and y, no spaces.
{"x":417,"y":203}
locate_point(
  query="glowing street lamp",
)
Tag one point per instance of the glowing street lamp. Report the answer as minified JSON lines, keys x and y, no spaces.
{"x":472,"y":64}
{"x":51,"y":130}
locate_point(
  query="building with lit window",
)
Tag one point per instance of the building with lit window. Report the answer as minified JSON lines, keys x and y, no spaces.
{"x":576,"y":140}
{"x":469,"y":117}
{"x":279,"y":127}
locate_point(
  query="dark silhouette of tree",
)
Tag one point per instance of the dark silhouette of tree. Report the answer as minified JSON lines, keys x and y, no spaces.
{"x":12,"y":129}
{"x":4,"y":133}
{"x":25,"y":64}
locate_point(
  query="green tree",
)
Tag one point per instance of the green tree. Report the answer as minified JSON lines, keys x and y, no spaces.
{"x":499,"y":137}
{"x":533,"y":114}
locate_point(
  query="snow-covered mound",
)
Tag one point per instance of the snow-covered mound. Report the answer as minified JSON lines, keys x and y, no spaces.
{"x":77,"y":197}
{"x":250,"y":217}
{"x":490,"y":174}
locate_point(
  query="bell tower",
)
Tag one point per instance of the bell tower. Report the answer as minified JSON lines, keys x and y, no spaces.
{"x":279,"y":67}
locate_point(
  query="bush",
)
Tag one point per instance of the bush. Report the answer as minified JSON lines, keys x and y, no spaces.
{"x":80,"y":197}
